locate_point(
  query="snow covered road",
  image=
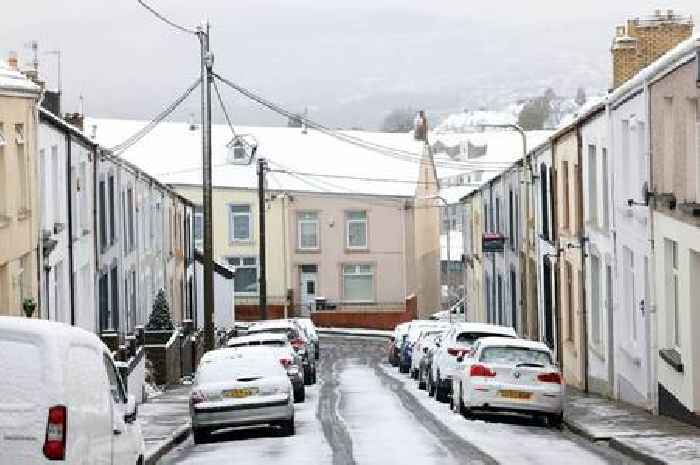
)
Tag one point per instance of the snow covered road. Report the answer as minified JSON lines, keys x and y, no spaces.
{"x":364,"y":412}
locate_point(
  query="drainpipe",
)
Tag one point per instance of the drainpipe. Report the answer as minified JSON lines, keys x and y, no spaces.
{"x":71,"y":280}
{"x":582,"y":250}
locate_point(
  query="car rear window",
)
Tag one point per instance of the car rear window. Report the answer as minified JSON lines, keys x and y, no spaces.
{"x":236,"y":367}
{"x":515,"y":355}
{"x":291,"y":333}
{"x":21,"y":380}
{"x":470,"y":337}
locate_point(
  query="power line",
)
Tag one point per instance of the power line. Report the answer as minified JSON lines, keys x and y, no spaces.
{"x":393,"y":152}
{"x":141,"y":133}
{"x":166,"y":20}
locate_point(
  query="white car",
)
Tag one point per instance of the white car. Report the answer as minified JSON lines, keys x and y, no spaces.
{"x":419,"y":348}
{"x":457,"y":341}
{"x":289,"y":359}
{"x":239,"y":387}
{"x":297,"y":337}
{"x":511,"y":375}
{"x":62,"y":398}
{"x":454,"y":313}
{"x":415,"y":328}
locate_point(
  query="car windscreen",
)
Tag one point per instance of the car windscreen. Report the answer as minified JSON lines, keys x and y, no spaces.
{"x":232,"y":368}
{"x":515,"y":356}
{"x":470,"y":337}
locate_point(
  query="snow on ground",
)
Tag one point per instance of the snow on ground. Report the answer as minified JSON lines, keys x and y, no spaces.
{"x":306,"y":446}
{"x":382,"y":431}
{"x":508,"y":444}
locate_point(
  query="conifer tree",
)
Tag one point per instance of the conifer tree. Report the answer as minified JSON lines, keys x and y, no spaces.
{"x":160,"y":315}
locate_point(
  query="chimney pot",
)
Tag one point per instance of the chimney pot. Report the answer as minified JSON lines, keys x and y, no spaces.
{"x":12,"y":61}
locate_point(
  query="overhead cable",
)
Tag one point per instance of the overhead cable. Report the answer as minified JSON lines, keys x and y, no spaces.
{"x":166,"y":20}
{"x":141,"y":133}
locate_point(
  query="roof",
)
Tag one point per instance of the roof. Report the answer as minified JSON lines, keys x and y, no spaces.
{"x":171,"y":152}
{"x":513,"y":342}
{"x":48,"y":117}
{"x":14,"y":81}
{"x":220,"y":269}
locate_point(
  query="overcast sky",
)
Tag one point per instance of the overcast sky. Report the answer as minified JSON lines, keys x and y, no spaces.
{"x":349,"y":62}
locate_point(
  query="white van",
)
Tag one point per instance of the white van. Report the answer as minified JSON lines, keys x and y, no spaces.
{"x":62,"y":399}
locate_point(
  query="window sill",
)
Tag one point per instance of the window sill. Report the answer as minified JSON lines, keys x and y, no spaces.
{"x":241,"y":242}
{"x":673,"y":358}
{"x":308,"y":251}
{"x":358,"y":250}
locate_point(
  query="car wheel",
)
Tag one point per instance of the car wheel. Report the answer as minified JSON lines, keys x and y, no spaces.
{"x":431,"y":386}
{"x":299,"y":395}
{"x":287,"y":427}
{"x":440,"y":391}
{"x":461,"y":408}
{"x":555,"y":420}
{"x":318,"y":353}
{"x":200,"y":435}
{"x":403,"y":368}
{"x":307,"y":375}
{"x":421,"y":380}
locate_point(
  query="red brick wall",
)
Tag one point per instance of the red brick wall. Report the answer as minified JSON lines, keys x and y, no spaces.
{"x":365,"y":319}
{"x":252,"y":312}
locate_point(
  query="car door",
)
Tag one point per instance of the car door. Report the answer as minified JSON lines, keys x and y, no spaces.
{"x":124,"y":435}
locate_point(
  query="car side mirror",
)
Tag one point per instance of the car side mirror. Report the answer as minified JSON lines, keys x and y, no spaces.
{"x":392,"y":338}
{"x":131,"y":409}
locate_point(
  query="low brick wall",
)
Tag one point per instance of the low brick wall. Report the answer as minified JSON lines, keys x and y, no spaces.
{"x":366,"y":318}
{"x":252,"y":312}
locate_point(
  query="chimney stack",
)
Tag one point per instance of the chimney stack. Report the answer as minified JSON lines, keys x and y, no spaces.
{"x":12,"y":61}
{"x":75,"y":119}
{"x":643,"y":40}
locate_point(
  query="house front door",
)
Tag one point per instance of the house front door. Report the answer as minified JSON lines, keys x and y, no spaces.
{"x":309,"y":284}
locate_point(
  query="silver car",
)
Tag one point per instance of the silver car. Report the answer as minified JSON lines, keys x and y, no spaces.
{"x":238,"y":387}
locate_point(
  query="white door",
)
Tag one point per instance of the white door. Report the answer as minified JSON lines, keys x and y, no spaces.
{"x":308,"y":291}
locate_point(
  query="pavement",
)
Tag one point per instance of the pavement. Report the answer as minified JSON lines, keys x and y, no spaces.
{"x":652,"y":439}
{"x":628,"y":430}
{"x":165,"y":421}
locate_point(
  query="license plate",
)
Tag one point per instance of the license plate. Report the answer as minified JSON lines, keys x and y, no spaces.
{"x":512,"y":394}
{"x":240,"y":393}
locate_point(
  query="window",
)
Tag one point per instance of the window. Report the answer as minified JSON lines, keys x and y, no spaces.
{"x":672,"y":292}
{"x":130,"y":214}
{"x":75,"y":206}
{"x":22,"y":174}
{"x":595,"y":300}
{"x":114,"y":309}
{"x":485,"y":220}
{"x":569,"y":302}
{"x":308,"y":230}
{"x":358,"y":283}
{"x":103,"y":215}
{"x":626,"y":160}
{"x":199,"y":229}
{"x":115,"y":383}
{"x":3,"y":139}
{"x":500,"y":298}
{"x":356,"y":226}
{"x":239,"y":223}
{"x":605,"y":189}
{"x":565,"y":190}
{"x":112,"y":222}
{"x":592,"y":185}
{"x":498,"y":215}
{"x":629,"y":291}
{"x":544,"y":201}
{"x":3,"y":177}
{"x":19,"y":133}
{"x":83,"y":193}
{"x":511,"y":224}
{"x":56,"y":185}
{"x":246,"y":280}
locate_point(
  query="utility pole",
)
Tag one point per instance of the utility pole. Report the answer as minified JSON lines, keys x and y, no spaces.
{"x":262,"y":167}
{"x":206,"y":66}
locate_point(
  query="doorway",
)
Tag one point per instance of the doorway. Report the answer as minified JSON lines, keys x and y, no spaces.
{"x":308,"y":282}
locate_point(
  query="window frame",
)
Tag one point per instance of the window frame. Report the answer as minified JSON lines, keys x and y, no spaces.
{"x":372,"y":274}
{"x":348,"y":222}
{"x":232,"y":219}
{"x":316,"y":222}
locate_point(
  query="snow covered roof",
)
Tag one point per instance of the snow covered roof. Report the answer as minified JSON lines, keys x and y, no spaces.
{"x":172,"y":154}
{"x":472,"y":119}
{"x":14,"y":81}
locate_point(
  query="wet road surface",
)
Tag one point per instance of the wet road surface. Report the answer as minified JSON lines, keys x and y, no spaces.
{"x":363,"y":412}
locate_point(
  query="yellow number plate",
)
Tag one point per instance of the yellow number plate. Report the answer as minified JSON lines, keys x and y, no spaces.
{"x":240,"y":393}
{"x":511,"y":394}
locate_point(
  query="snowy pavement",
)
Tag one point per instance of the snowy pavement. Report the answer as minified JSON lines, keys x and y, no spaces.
{"x":363,"y":412}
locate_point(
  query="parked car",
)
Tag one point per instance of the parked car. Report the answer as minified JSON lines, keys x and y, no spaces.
{"x":510,"y":375}
{"x":414,"y":331}
{"x":62,"y":398}
{"x":296,"y":337}
{"x":289,"y":359}
{"x":395,"y":342}
{"x":454,"y":313}
{"x":428,"y":347}
{"x":312,"y":334}
{"x":240,"y":387}
{"x":458,"y":340}
{"x":419,"y":347}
